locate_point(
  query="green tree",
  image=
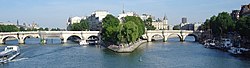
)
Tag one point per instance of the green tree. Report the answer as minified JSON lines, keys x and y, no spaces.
{"x":225,"y":23}
{"x":41,"y":29}
{"x":220,"y":25}
{"x":110,"y":29}
{"x":243,"y":26}
{"x":176,"y":27}
{"x":22,"y":29}
{"x":46,"y":29}
{"x":138,"y":22}
{"x":82,"y":26}
{"x":131,"y":31}
{"x":8,"y":28}
{"x":148,"y":24}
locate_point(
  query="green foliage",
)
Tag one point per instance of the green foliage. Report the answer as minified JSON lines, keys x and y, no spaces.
{"x":148,"y":24}
{"x":46,"y":29}
{"x":41,"y":29}
{"x":138,"y":22}
{"x":82,"y":26}
{"x":225,"y":23}
{"x":32,"y":29}
{"x":243,"y":26}
{"x":221,"y":24}
{"x":22,"y":29}
{"x":8,"y":28}
{"x":176,"y":27}
{"x":55,"y":29}
{"x":128,"y":32}
{"x":114,"y":32}
{"x":110,"y":29}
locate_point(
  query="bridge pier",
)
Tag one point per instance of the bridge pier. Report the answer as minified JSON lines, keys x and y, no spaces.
{"x":165,"y":39}
{"x":64,"y":40}
{"x":21,"y":41}
{"x":43,"y":41}
{"x":149,"y":38}
{"x":1,"y":41}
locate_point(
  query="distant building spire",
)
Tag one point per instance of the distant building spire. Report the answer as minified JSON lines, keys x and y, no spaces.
{"x":165,"y":17}
{"x":17,"y":22}
{"x":123,"y":10}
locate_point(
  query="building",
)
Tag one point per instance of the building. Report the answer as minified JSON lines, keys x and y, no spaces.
{"x":73,"y":20}
{"x":235,"y":14}
{"x":95,"y":19}
{"x":161,"y":24}
{"x":146,"y":16}
{"x":184,"y":20}
{"x":124,"y":14}
{"x":190,"y":26}
{"x":245,"y":10}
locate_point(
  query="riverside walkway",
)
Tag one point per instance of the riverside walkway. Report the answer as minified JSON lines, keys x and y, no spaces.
{"x":127,"y":49}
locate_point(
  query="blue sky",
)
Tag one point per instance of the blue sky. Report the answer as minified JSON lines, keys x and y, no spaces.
{"x":54,"y":13}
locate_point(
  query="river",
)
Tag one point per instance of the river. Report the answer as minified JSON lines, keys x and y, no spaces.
{"x":157,"y":54}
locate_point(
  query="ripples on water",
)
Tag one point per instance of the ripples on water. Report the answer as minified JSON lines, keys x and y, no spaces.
{"x":157,"y":54}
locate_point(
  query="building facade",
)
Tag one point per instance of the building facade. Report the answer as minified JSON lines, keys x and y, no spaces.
{"x":72,"y":20}
{"x":235,"y":14}
{"x":95,"y":19}
{"x":245,"y":10}
{"x":124,"y":14}
{"x":161,"y":24}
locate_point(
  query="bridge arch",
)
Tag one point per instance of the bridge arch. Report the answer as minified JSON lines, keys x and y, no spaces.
{"x":155,"y":36}
{"x":29,"y":36}
{"x":73,"y":37}
{"x":3,"y":40}
{"x":194,"y":35}
{"x":94,"y":37}
{"x":171,"y":34}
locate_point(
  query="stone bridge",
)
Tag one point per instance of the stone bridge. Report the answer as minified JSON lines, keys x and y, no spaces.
{"x":182,"y":34}
{"x":85,"y":35}
{"x":63,"y":35}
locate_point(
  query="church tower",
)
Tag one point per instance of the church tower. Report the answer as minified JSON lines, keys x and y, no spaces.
{"x":165,"y":21}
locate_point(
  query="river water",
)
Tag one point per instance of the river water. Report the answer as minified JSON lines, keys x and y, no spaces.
{"x":157,"y":54}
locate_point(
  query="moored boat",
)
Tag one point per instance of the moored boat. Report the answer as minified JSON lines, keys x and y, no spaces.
{"x":9,"y":53}
{"x":82,"y":42}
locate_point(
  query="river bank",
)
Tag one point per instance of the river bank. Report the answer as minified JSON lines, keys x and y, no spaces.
{"x":126,"y":49}
{"x":232,"y":46}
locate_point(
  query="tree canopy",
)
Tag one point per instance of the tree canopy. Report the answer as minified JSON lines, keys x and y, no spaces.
{"x":82,"y":26}
{"x":243,"y":26}
{"x":221,"y":24}
{"x":148,"y":24}
{"x":128,"y":31}
{"x":110,"y":29}
{"x":8,"y":28}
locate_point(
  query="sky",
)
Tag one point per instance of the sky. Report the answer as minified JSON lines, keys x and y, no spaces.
{"x":54,"y":13}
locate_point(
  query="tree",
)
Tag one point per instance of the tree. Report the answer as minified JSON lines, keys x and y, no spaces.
{"x":22,"y":29}
{"x":225,"y":23}
{"x":176,"y":27}
{"x":243,"y":26}
{"x":46,"y":29}
{"x":110,"y":29}
{"x":82,"y":26}
{"x":8,"y":28}
{"x":131,"y":31}
{"x":41,"y":29}
{"x":138,"y":22}
{"x":221,"y":24}
{"x":148,"y":24}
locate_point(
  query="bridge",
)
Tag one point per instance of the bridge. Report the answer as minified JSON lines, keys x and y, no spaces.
{"x":63,"y":35}
{"x":182,"y":34}
{"x":85,"y":35}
